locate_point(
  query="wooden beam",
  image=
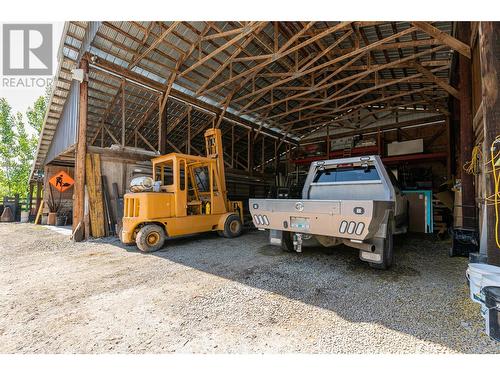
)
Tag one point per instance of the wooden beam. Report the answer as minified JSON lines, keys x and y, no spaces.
{"x":123,"y":113}
{"x":154,"y":44}
{"x":230,"y":59}
{"x":179,"y":95}
{"x":324,"y":65}
{"x":285,"y":50}
{"x":177,"y":121}
{"x":489,"y":49}
{"x":197,"y":132}
{"x":440,"y":82}
{"x":375,"y":129}
{"x":189,"y":131}
{"x":180,"y":62}
{"x":154,"y":106}
{"x":444,"y":38}
{"x":362,"y":74}
{"x":382,"y":99}
{"x":223,"y":34}
{"x":145,"y":141}
{"x":466,"y":131}
{"x":247,"y":30}
{"x":81,"y":152}
{"x":111,"y":134}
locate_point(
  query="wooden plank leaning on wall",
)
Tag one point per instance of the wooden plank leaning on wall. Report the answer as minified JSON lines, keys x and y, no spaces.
{"x":94,"y":186}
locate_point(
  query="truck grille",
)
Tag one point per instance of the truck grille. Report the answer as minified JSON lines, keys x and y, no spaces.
{"x":131,"y":207}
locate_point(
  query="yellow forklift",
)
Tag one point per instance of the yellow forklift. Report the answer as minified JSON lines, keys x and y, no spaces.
{"x":186,"y":195}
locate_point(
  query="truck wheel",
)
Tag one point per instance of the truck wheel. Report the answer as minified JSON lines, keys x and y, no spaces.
{"x":232,"y":226}
{"x":388,"y":252}
{"x":287,"y":242}
{"x":150,"y":238}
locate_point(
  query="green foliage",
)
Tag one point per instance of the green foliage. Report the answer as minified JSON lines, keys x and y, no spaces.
{"x":18,"y":146}
{"x":36,"y":113}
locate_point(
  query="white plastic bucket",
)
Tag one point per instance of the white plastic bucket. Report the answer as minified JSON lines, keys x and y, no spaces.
{"x":25,"y":216}
{"x":475,"y":273}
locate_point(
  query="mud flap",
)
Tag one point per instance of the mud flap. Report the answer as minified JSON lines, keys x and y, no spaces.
{"x":275,"y":237}
{"x":378,"y":240}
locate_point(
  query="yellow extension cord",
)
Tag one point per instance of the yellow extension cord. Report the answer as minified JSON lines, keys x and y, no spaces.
{"x":496,"y":183}
{"x":472,"y":167}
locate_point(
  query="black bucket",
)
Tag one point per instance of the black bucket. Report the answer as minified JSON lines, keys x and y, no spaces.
{"x":492,"y":302}
{"x":478,"y":258}
{"x":61,"y":221}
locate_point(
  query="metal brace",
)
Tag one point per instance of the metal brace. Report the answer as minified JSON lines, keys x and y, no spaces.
{"x":297,"y":242}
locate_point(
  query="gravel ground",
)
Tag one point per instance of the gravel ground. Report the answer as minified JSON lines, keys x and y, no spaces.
{"x":206,"y":294}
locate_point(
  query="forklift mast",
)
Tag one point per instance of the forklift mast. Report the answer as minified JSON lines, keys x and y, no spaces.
{"x":213,"y":144}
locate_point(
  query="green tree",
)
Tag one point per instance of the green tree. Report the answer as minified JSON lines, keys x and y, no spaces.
{"x":7,"y":141}
{"x":18,"y":145}
{"x":36,"y":114}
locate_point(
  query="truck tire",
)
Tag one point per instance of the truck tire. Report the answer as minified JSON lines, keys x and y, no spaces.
{"x":233,"y":226}
{"x":388,"y":252}
{"x":150,"y":238}
{"x":287,"y":242}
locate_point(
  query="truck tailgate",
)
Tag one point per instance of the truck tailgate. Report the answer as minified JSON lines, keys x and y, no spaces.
{"x":355,"y":219}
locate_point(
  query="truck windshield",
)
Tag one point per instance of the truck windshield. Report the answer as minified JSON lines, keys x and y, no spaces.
{"x":347,"y":174}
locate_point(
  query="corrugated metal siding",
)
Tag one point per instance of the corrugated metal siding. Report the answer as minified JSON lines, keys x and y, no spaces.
{"x":92,"y":28}
{"x":65,"y":135}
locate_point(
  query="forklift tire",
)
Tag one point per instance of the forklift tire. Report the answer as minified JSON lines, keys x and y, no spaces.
{"x":287,"y":242}
{"x":150,"y":238}
{"x":388,"y":253}
{"x":233,"y":226}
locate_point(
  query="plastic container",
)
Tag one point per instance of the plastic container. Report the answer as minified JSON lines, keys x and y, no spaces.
{"x":25,"y":215}
{"x":474,"y":274}
{"x":492,"y":317}
{"x":477,"y":258}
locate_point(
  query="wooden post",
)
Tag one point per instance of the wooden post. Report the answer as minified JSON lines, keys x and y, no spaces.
{"x":189,"y":131}
{"x":232,"y":146}
{"x":449,"y":147}
{"x":250,"y":151}
{"x":159,"y":123}
{"x":38,"y":196}
{"x":489,"y":46}
{"x":466,"y":132}
{"x":30,"y":198}
{"x":102,"y":135}
{"x":379,"y":143}
{"x":81,"y":151}
{"x":123,"y":114}
{"x":162,"y":129}
{"x":328,"y":141}
{"x":276,"y":157}
{"x":262,"y":155}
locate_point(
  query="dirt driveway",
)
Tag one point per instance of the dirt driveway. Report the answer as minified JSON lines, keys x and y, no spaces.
{"x":209,"y":294}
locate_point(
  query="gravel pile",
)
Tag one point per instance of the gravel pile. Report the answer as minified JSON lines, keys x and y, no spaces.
{"x":206,"y":294}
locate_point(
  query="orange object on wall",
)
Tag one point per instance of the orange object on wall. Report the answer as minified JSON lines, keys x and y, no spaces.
{"x":62,"y":181}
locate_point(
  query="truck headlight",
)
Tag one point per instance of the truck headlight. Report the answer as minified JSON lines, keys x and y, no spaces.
{"x":265,"y":220}
{"x":257,"y":219}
